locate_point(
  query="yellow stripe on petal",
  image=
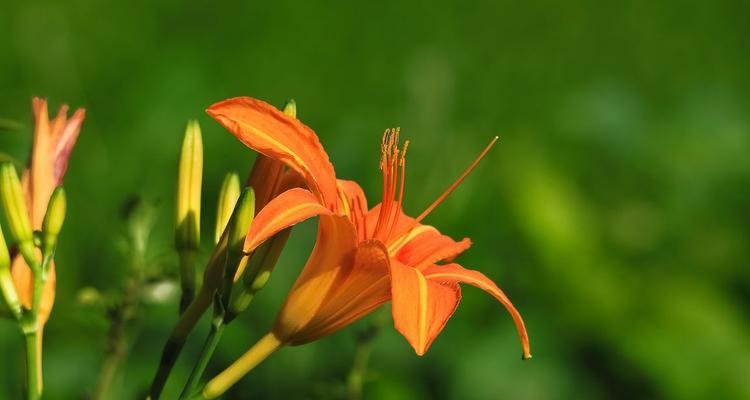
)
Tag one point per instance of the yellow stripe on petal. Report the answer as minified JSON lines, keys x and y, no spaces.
{"x":422,"y":310}
{"x":420,"y":306}
{"x":281,"y":137}
{"x":404,"y":239}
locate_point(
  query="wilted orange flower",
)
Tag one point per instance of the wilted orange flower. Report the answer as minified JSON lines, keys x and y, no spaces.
{"x":362,"y":258}
{"x":51,"y":148}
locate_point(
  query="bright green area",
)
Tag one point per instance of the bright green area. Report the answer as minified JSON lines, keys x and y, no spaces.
{"x":615,"y":211}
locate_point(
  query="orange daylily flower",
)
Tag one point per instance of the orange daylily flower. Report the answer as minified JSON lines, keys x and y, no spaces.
{"x":51,"y":148}
{"x":362,"y":258}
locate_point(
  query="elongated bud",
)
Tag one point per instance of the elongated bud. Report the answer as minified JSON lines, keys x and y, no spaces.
{"x":290,"y":108}
{"x":239,"y":224}
{"x":187,"y":233}
{"x":15,"y":205}
{"x":259,"y":267}
{"x":4,"y":255}
{"x":7,"y":287}
{"x":189,"y":181}
{"x":53,"y":220}
{"x":230,"y":192}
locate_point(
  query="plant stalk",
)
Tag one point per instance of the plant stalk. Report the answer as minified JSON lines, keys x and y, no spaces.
{"x":188,"y":278}
{"x":364,"y":342}
{"x":117,"y":343}
{"x":31,"y":327}
{"x":356,"y":378}
{"x":212,"y":340}
{"x":257,"y":354}
{"x":176,"y":341}
{"x":33,"y":344}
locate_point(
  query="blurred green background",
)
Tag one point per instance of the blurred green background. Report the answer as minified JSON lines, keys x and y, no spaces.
{"x":615,"y":211}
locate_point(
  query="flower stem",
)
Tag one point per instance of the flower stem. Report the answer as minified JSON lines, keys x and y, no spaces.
{"x":31,"y":327}
{"x":212,"y":340}
{"x":259,"y":352}
{"x":356,"y":378}
{"x":177,"y":339}
{"x":188,"y":278}
{"x":33,"y":363}
{"x":364,"y":339}
{"x":117,"y":343}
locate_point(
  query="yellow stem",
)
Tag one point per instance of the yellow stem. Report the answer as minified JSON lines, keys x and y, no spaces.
{"x":259,"y":352}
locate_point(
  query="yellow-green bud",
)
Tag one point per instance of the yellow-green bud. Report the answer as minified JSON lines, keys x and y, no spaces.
{"x":4,"y":255}
{"x":53,"y":220}
{"x":239,"y":224}
{"x":7,"y":287}
{"x":15,"y":205}
{"x":290,"y":108}
{"x":257,"y":272}
{"x":90,"y":297}
{"x":230,"y":192}
{"x":236,"y":231}
{"x":187,"y":235}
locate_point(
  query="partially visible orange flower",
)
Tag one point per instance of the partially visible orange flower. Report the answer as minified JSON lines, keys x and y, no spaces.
{"x":361,"y":258}
{"x":51,"y":148}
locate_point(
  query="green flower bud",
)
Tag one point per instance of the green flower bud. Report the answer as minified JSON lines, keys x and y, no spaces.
{"x":90,"y":297}
{"x":53,"y":220}
{"x":7,"y":287}
{"x":259,"y":267}
{"x":187,"y":232}
{"x":290,"y":108}
{"x":239,"y":224}
{"x":15,"y":205}
{"x":187,"y":235}
{"x":4,"y":255}
{"x":230,"y":192}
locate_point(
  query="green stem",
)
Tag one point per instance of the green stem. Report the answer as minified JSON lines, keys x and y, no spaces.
{"x":33,"y":364}
{"x":256,"y":355}
{"x":176,"y":341}
{"x":364,"y":340}
{"x":188,"y":277}
{"x":212,"y":340}
{"x":32,"y":330}
{"x":355,"y":380}
{"x":117,"y":343}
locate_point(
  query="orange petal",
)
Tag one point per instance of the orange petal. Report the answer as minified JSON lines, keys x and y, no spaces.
{"x":358,"y":289}
{"x":454,"y":273}
{"x":265,"y":178}
{"x":402,"y":227}
{"x":429,"y":247}
{"x":421,"y":307}
{"x":40,"y":181}
{"x":53,"y":143}
{"x":64,"y":140}
{"x":269,"y":131}
{"x":24,"y":281}
{"x":353,"y":203}
{"x":287,"y":209}
{"x":332,"y":256}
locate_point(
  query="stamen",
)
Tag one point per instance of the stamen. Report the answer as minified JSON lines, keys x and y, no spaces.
{"x":358,"y":218}
{"x":456,"y":183}
{"x":400,"y":198}
{"x":364,"y":218}
{"x":402,"y":163}
{"x":389,"y":163}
